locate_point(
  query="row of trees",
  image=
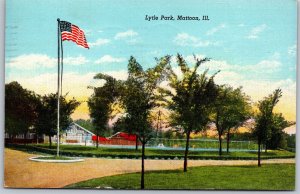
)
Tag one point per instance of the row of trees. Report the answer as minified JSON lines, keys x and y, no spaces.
{"x":192,"y":97}
{"x":28,"y":112}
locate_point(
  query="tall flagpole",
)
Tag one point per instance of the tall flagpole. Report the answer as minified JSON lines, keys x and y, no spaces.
{"x":62,"y":65}
{"x":58,"y":80}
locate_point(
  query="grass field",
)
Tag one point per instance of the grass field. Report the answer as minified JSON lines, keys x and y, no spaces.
{"x":267,"y":177}
{"x":154,"y":152}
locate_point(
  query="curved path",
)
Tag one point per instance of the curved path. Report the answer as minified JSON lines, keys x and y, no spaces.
{"x":21,"y":173}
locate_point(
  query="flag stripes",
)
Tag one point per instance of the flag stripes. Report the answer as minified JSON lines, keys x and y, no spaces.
{"x":73,"y":33}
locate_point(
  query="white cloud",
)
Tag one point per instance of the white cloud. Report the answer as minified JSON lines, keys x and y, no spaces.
{"x":262,"y":67}
{"x":125,"y":35}
{"x":109,"y":59}
{"x":184,"y":39}
{"x":32,"y":61}
{"x":120,"y":75}
{"x":215,"y":29}
{"x":47,"y":83}
{"x":80,"y":60}
{"x":36,"y":61}
{"x":275,"y":56}
{"x":74,"y":83}
{"x":292,"y":50}
{"x":254,"y":33}
{"x":191,"y":58}
{"x":99,"y":42}
{"x":87,"y":32}
{"x":265,"y":66}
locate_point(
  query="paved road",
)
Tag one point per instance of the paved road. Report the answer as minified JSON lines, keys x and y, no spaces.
{"x":22,"y":173}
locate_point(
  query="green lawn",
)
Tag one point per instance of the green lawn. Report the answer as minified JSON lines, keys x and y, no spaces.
{"x":267,"y":177}
{"x":54,"y":158}
{"x":90,"y":151}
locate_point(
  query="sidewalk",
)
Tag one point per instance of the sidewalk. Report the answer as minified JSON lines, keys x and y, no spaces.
{"x":21,"y":173}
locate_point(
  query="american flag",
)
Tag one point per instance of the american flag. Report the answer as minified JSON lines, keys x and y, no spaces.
{"x":72,"y":32}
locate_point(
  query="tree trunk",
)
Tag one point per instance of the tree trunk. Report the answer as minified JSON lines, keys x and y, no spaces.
{"x":186,"y":150}
{"x":97,"y":140}
{"x":228,"y":141}
{"x":143,"y":165}
{"x":220,"y":144}
{"x":136,"y":143}
{"x":25,"y":138}
{"x":258,"y":157}
{"x":50,"y":141}
{"x":37,"y":138}
{"x":266,"y":148}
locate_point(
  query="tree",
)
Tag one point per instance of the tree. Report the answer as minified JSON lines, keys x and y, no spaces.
{"x":191,"y":94}
{"x":120,"y":125}
{"x":277,"y":136}
{"x":85,"y":124}
{"x":231,"y":108}
{"x":135,"y":74}
{"x":47,"y":114}
{"x":101,"y":101}
{"x":264,"y":119}
{"x":20,"y":109}
{"x":139,"y":98}
{"x":291,"y":140}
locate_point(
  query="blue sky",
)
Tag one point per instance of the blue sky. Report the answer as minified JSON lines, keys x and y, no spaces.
{"x":253,"y":43}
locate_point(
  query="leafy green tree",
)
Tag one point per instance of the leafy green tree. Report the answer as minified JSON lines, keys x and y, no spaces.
{"x":100,"y":103}
{"x":139,"y":98}
{"x":291,"y":140}
{"x":264,"y":119}
{"x":120,"y":125}
{"x":169,"y":134}
{"x":87,"y":124}
{"x":192,"y":95}
{"x":277,"y":138}
{"x":20,"y":110}
{"x":47,"y":114}
{"x":230,"y":109}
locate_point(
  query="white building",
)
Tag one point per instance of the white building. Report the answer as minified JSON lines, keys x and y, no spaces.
{"x":76,"y":134}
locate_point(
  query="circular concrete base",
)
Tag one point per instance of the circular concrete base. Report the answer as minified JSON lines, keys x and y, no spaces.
{"x":39,"y":159}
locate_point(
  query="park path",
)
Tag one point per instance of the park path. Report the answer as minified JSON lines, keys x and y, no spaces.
{"x":19,"y":172}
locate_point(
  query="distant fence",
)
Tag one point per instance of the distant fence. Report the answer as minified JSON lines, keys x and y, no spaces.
{"x":23,"y":141}
{"x":209,"y":144}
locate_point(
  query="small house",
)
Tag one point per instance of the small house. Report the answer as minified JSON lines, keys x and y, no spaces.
{"x":76,"y":134}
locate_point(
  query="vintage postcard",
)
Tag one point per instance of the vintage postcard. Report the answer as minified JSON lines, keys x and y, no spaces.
{"x":155,"y":95}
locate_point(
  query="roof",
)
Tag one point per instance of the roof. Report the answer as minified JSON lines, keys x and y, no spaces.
{"x":83,"y":128}
{"x":130,"y":137}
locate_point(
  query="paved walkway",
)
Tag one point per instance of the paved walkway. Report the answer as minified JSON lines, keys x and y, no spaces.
{"x":22,"y":173}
